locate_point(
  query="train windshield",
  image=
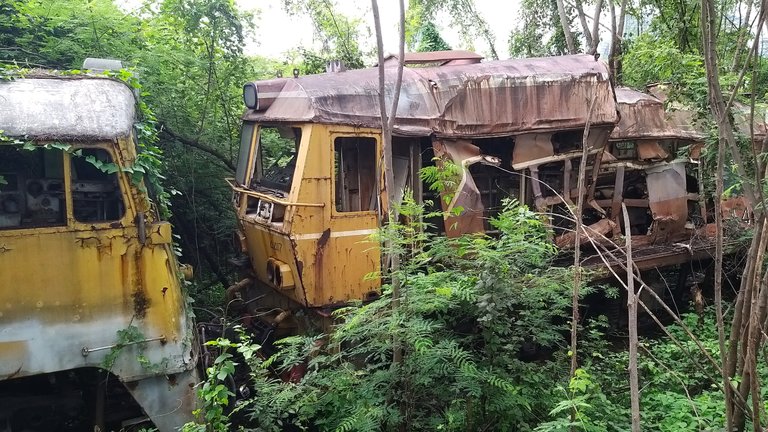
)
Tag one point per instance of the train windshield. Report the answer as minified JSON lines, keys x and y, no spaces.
{"x":276,"y":155}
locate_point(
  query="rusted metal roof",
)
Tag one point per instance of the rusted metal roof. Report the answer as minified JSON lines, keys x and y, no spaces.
{"x":441,"y":57}
{"x":643,"y":117}
{"x":487,"y":99}
{"x":65,"y":108}
{"x":741,"y":117}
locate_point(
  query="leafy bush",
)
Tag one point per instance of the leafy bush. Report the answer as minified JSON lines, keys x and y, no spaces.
{"x":477,"y":320}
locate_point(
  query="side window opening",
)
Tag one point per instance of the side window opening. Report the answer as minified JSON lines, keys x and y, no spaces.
{"x":96,"y":195}
{"x":355,"y":174}
{"x":246,"y":134}
{"x":625,"y":150}
{"x":276,"y":158}
{"x":31,"y":188}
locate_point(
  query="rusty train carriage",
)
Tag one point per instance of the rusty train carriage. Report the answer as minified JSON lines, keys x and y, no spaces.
{"x":644,"y":169}
{"x":83,"y":256}
{"x":515,"y":128}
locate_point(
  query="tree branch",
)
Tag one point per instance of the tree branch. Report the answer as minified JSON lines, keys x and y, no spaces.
{"x":221,"y":157}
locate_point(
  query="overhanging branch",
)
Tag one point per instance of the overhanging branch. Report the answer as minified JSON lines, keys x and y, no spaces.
{"x":221,"y":157}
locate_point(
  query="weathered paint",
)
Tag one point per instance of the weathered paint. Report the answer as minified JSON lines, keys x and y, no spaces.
{"x":66,"y":291}
{"x":328,"y":252}
{"x":495,"y":98}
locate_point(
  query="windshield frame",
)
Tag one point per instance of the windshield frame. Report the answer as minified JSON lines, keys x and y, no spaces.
{"x":264,"y":177}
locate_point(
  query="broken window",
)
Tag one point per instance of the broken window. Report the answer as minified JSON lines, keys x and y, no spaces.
{"x":246,"y":135}
{"x":276,"y":158}
{"x":567,"y":141}
{"x":96,"y":193}
{"x":624,"y":150}
{"x":355,"y":173}
{"x":31,"y":188}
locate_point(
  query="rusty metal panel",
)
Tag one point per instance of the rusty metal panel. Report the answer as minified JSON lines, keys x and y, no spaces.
{"x":644,"y":116}
{"x":487,"y":99}
{"x":466,"y":196}
{"x":650,"y":150}
{"x":668,"y":199}
{"x":531,"y":148}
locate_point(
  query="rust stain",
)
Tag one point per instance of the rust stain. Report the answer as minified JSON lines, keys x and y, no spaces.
{"x":643,"y":116}
{"x":319,"y":255}
{"x":140,"y":303}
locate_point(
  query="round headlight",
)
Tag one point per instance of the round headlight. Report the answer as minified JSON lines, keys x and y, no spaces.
{"x":250,"y":96}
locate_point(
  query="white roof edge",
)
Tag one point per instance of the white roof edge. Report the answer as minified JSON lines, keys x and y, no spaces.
{"x":66,"y":108}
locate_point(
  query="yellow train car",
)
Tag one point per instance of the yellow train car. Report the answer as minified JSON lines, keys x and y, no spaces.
{"x":308,"y":189}
{"x":94,"y":330}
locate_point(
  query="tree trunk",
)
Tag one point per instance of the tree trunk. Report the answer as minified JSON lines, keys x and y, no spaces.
{"x":596,"y":27}
{"x":565,"y":23}
{"x":387,"y":124}
{"x":584,"y":26}
{"x":634,"y":387}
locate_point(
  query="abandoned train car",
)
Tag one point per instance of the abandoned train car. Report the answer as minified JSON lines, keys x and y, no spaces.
{"x":307,"y":187}
{"x":645,"y":168}
{"x":94,"y":333}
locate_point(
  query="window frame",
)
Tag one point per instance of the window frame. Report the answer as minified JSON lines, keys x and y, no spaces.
{"x":71,"y":224}
{"x":254,"y":167}
{"x":377,"y":168}
{"x":122,"y":183}
{"x":66,"y":224}
{"x":248,"y":165}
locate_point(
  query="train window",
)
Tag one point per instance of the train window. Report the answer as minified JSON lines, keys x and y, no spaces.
{"x":31,"y":188}
{"x":246,"y":134}
{"x":276,"y":159}
{"x":624,"y":150}
{"x":355,"y":172}
{"x":96,"y":193}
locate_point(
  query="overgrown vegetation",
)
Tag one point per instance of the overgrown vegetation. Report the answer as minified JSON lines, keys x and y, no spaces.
{"x":482,"y":321}
{"x":483,"y":325}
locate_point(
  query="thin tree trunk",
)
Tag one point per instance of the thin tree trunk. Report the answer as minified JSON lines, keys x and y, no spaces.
{"x":719,"y":277}
{"x":387,"y":124}
{"x":718,"y":107}
{"x":584,"y":26}
{"x":634,"y":388}
{"x":744,"y":30}
{"x":596,"y":27}
{"x":581,"y":187}
{"x":564,"y":22}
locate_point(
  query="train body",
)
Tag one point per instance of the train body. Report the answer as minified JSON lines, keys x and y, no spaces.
{"x":309,"y":190}
{"x":94,"y":329}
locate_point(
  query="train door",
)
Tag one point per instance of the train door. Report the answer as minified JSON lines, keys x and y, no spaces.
{"x":344,"y":252}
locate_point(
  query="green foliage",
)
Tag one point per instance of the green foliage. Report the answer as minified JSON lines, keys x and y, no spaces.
{"x":214,"y":393}
{"x":442,"y":177}
{"x":60,"y":35}
{"x":429,"y":39}
{"x":651,"y":59}
{"x":465,"y":18}
{"x":469,"y":308}
{"x":130,"y":335}
{"x":339,"y":34}
{"x":539,"y":32}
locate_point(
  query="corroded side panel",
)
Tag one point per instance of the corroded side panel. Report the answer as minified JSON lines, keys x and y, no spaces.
{"x":66,"y":293}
